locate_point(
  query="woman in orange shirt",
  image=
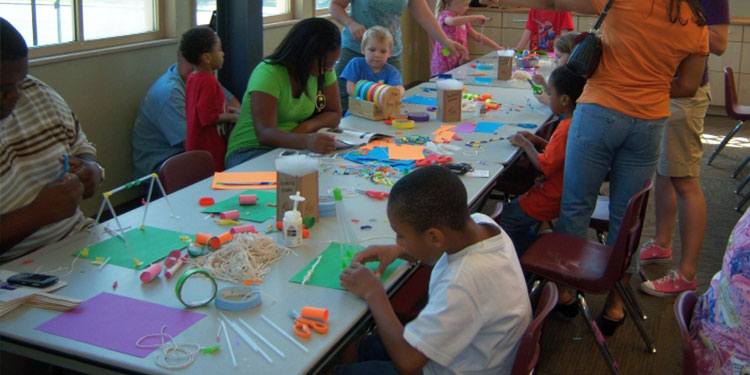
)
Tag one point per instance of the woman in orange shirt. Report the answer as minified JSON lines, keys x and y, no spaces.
{"x":619,"y":121}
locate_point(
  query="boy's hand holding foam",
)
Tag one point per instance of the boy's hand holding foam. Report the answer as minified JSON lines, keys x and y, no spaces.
{"x":385,"y":254}
{"x":361,"y":281}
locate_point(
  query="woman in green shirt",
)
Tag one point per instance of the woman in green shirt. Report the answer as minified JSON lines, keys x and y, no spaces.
{"x":290,"y":95}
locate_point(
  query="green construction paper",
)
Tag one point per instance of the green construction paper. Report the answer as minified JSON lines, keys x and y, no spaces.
{"x":149,"y":245}
{"x":258,"y":212}
{"x":327,"y":272}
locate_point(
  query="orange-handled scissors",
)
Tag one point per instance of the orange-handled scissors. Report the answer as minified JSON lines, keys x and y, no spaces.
{"x":302,"y":325}
{"x":379,"y":195}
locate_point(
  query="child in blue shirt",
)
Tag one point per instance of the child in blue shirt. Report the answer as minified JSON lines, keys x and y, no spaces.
{"x":377,"y":46}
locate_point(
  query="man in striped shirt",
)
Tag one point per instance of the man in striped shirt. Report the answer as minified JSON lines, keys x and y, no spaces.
{"x":38,"y":197}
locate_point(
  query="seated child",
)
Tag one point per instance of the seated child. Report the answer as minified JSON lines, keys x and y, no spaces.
{"x":204,"y":98}
{"x":478,"y":308}
{"x":563,"y":48}
{"x":542,"y":202}
{"x":377,"y":46}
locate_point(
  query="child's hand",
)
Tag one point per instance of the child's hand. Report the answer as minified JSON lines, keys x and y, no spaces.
{"x":321,"y":143}
{"x":542,"y":98}
{"x":539,"y":79}
{"x":480,"y":19}
{"x":517,"y":139}
{"x":385,"y":254}
{"x":360,"y":280}
{"x":526,"y":134}
{"x":88,"y":173}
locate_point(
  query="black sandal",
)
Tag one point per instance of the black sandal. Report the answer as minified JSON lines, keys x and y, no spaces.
{"x":566,"y":311}
{"x":608,"y":326}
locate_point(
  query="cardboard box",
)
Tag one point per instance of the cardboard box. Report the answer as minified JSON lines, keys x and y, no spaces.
{"x":449,"y":105}
{"x":307,"y":186}
{"x":505,"y":64}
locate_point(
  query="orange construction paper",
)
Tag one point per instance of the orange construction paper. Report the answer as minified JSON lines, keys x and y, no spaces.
{"x":385,"y":142}
{"x":444,"y":137}
{"x":443,"y":128}
{"x":243,"y":177}
{"x":405,"y":152}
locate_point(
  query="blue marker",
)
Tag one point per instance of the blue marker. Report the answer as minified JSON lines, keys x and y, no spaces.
{"x":526,"y":125}
{"x":66,"y":165}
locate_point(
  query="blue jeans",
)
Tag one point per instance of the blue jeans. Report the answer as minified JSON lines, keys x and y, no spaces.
{"x":242,"y":155}
{"x":373,"y":359}
{"x":519,"y":226}
{"x":602,"y":139}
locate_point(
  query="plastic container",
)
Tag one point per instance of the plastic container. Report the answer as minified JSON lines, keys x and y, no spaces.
{"x":348,"y":244}
{"x":293,"y":223}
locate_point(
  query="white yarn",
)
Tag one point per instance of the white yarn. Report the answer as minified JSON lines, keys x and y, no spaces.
{"x":248,"y":256}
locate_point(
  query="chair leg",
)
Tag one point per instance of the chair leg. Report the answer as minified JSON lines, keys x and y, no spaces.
{"x":740,"y":167}
{"x":535,"y":285}
{"x":724,"y":142}
{"x":636,"y":303}
{"x":598,"y":337}
{"x":636,"y":319}
{"x":742,"y":202}
{"x":601,"y":236}
{"x":742,"y":184}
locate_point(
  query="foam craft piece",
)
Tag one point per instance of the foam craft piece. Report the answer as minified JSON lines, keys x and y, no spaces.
{"x":149,"y":245}
{"x":488,"y":127}
{"x":422,"y":100}
{"x":327,"y":272}
{"x":234,"y":177}
{"x":258,"y":213}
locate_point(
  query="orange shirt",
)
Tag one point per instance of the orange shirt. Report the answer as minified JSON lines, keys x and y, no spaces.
{"x":543,"y":202}
{"x":641,"y":52}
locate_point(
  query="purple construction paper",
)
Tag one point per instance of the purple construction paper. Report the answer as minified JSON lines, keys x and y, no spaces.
{"x":488,"y":127}
{"x":115,"y":322}
{"x":466,"y":127}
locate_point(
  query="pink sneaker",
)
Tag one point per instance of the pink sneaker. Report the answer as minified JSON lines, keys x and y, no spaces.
{"x":671,"y":284}
{"x":650,"y":253}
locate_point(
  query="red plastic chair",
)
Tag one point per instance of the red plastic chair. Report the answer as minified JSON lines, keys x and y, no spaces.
{"x":530,"y":348}
{"x":736,"y":111}
{"x":590,"y":267}
{"x":185,"y":169}
{"x":683,"y":311}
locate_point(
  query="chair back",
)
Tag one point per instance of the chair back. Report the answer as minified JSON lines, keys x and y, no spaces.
{"x":629,"y":235}
{"x":730,"y":94}
{"x":185,"y":169}
{"x":530,"y":348}
{"x":683,"y":311}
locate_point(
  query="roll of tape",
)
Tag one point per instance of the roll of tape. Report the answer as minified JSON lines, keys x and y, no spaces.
{"x":419,"y":116}
{"x":206,"y":201}
{"x":403,"y":124}
{"x":205,"y":300}
{"x":237,"y":298}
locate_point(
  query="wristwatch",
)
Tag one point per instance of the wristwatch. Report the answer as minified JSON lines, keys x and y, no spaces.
{"x":101,"y":169}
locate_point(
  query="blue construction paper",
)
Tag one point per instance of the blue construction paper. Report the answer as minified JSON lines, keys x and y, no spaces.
{"x":526,"y":125}
{"x":378,"y":155}
{"x":423,"y":100}
{"x":483,"y":80}
{"x":487,"y":127}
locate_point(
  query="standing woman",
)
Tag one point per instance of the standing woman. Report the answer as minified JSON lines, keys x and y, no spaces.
{"x":291,"y":95}
{"x":619,"y":121}
{"x":386,"y":13}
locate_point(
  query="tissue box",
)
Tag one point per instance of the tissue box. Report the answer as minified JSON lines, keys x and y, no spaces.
{"x":505,"y":64}
{"x":307,"y":186}
{"x":449,"y":105}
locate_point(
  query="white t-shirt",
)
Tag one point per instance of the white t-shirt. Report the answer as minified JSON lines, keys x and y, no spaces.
{"x":477,"y":312}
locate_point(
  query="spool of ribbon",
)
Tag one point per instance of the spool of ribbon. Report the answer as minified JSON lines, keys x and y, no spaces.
{"x":195,"y":288}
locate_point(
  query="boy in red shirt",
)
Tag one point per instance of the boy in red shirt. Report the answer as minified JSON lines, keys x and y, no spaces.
{"x":204,"y":98}
{"x":542,"y":202}
{"x":543,"y":27}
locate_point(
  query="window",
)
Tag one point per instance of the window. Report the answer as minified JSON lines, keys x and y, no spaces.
{"x":321,"y":6}
{"x":203,"y":11}
{"x":44,"y":23}
{"x":276,"y":10}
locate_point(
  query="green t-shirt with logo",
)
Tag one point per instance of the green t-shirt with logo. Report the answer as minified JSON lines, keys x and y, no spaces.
{"x":274,"y":80}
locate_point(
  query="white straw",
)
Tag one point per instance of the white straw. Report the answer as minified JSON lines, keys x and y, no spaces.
{"x":281,"y":331}
{"x":246,"y":338}
{"x":279,"y":352}
{"x":229,"y":343}
{"x":105,"y":262}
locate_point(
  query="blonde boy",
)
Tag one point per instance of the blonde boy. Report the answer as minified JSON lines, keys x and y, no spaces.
{"x":377,"y":46}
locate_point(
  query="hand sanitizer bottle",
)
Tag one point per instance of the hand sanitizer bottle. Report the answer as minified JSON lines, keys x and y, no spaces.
{"x":293,"y":223}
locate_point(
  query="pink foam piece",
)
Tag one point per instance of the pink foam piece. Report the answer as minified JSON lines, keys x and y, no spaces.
{"x":151,"y":273}
{"x":243,"y":229}
{"x":248,"y":199}
{"x":233,"y":214}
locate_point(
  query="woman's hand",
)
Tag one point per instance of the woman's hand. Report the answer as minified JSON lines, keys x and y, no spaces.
{"x":321,"y":143}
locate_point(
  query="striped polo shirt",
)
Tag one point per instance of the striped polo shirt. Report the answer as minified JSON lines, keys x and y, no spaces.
{"x":32,"y":138}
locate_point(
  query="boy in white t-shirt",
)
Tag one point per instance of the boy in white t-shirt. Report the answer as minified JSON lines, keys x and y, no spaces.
{"x":478,"y":307}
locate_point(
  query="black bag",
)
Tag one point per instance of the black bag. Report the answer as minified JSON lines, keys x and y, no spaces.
{"x":588,"y":50}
